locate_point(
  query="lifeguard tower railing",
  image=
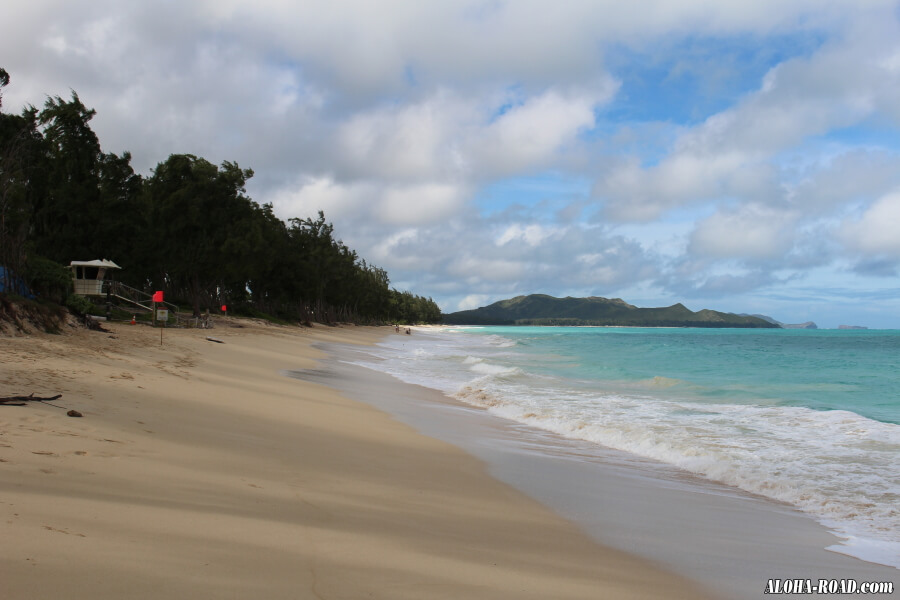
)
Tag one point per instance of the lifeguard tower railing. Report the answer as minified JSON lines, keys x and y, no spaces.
{"x":139,"y":300}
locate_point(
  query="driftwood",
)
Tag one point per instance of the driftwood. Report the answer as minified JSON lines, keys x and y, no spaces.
{"x":216,"y":340}
{"x":21,"y":400}
{"x":93,"y":324}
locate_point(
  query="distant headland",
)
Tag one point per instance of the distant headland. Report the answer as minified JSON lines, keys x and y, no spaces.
{"x":540,"y":309}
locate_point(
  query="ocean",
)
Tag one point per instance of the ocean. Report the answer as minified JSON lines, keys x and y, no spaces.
{"x":806,"y":417}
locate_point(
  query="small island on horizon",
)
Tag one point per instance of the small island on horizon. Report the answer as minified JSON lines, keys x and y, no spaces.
{"x":541,"y":309}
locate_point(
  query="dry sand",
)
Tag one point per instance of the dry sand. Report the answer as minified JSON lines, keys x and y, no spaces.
{"x":200,"y":471}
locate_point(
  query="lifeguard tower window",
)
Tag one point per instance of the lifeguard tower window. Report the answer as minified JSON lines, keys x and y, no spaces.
{"x":89,"y":275}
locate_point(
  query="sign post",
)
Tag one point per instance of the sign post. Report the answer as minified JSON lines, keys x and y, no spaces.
{"x":160,"y":315}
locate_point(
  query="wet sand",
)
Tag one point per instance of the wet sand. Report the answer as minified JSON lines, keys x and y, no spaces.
{"x":730,"y":541}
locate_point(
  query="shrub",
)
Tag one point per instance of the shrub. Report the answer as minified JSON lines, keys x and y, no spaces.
{"x":48,"y":279}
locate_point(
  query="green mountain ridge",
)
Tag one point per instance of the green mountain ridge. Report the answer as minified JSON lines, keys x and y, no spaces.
{"x":541,"y":309}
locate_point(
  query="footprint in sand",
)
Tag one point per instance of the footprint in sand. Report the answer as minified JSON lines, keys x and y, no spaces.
{"x":48,"y":528}
{"x":44,"y":452}
{"x":68,"y":433}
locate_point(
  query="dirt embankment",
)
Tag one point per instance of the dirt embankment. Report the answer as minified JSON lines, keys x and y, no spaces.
{"x":21,"y":316}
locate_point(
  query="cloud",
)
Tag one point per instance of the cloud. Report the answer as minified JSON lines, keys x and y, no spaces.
{"x":532,"y":234}
{"x":398,"y":204}
{"x":445,"y":134}
{"x":632,"y":193}
{"x":420,"y":204}
{"x":534,"y":132}
{"x":419,"y":128}
{"x":752,"y":232}
{"x":734,"y":153}
{"x":337,"y":200}
{"x":472,"y":301}
{"x":878,"y":267}
{"x":849,"y":177}
{"x":875,"y":232}
{"x":418,"y":141}
{"x":711,"y":280}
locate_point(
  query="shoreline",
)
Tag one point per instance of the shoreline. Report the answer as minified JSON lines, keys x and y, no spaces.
{"x":199,"y":471}
{"x":730,"y":540}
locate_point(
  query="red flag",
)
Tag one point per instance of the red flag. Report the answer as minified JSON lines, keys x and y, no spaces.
{"x":158,"y":297}
{"x":224,"y":308}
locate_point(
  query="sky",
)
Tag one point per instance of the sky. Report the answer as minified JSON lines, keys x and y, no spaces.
{"x":742,"y":156}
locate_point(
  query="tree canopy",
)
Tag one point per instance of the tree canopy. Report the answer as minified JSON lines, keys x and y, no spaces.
{"x":188,"y":228}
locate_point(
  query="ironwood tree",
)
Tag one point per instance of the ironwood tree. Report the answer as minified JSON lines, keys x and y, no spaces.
{"x":189,"y":228}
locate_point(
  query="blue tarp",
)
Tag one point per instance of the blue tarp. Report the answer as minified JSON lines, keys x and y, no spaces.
{"x":13,"y":284}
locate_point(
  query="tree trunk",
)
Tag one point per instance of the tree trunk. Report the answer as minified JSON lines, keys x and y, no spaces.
{"x":195,"y":293}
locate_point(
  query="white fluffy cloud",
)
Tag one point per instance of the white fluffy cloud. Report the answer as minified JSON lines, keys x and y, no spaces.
{"x":418,"y":141}
{"x":399,"y":120}
{"x":877,"y":231}
{"x":449,"y":135}
{"x":733,"y":153}
{"x":752,"y":232}
{"x":532,"y":234}
{"x":398,"y":204}
{"x":530,"y":135}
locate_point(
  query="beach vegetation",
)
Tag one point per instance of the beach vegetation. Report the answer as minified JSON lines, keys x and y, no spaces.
{"x":80,"y":305}
{"x":189,"y":229}
{"x":49,"y":279}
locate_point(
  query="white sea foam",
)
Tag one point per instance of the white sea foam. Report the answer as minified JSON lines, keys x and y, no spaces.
{"x":499,"y":341}
{"x":836,"y":465}
{"x":484,"y":368}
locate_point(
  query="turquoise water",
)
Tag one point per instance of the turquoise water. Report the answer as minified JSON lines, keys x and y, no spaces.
{"x":853,"y":370}
{"x":807,"y":417}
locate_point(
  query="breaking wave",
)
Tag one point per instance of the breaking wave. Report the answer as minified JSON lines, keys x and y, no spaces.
{"x":836,"y":465}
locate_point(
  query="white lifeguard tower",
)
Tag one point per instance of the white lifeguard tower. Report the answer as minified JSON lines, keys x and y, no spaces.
{"x":90,"y":275}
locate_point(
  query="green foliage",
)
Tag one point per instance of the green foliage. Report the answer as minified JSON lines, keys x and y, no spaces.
{"x":4,"y":81}
{"x":48,"y":279}
{"x":189,"y":229}
{"x":80,"y":305}
{"x":539,"y":309}
{"x":202,"y":226}
{"x":408,"y":309}
{"x":22,"y":169}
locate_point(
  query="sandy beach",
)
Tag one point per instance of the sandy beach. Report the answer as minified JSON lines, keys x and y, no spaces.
{"x":200,"y":470}
{"x":729,"y":540}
